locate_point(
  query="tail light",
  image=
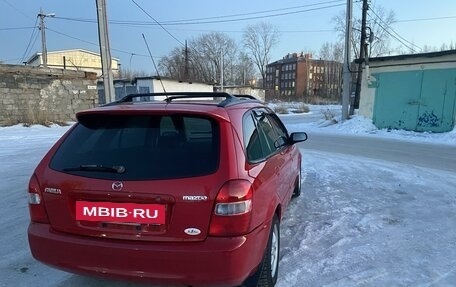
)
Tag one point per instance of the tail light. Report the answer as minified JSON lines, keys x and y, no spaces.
{"x":233,"y":209}
{"x":35,"y":200}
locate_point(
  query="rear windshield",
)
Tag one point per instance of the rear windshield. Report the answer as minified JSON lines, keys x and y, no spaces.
{"x":140,"y":147}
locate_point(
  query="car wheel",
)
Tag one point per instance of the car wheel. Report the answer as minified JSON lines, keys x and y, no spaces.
{"x":267,"y":273}
{"x":297,"y":190}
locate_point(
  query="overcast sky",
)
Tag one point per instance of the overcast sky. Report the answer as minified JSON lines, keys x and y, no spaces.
{"x":304,"y":25}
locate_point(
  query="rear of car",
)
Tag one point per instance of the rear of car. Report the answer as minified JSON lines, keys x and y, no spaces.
{"x":157,"y":192}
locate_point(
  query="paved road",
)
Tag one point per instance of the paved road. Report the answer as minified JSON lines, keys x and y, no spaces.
{"x":420,"y":154}
{"x":429,"y":155}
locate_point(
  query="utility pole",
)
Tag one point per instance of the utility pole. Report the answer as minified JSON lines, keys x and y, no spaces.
{"x":221,"y":69}
{"x":105,"y":51}
{"x":362,"y":58}
{"x":346,"y":68}
{"x":186,"y":68}
{"x":43,"y":35}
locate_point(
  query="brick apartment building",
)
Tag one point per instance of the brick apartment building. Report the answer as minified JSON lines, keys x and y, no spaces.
{"x":298,"y":77}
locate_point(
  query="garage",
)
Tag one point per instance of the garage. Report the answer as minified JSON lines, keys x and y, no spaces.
{"x":411,"y":92}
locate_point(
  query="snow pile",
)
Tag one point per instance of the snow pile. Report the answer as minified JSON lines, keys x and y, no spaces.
{"x":327,"y":119}
{"x":355,"y":125}
{"x":363,"y":125}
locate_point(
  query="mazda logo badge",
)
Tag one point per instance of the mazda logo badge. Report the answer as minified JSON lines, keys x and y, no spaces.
{"x":117,"y":186}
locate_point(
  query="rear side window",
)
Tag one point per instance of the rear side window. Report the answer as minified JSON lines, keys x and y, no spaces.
{"x":140,"y":147}
{"x":263,"y":135}
{"x":252,"y":139}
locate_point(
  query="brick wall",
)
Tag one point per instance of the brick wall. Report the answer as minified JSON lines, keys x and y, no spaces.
{"x":37,"y":95}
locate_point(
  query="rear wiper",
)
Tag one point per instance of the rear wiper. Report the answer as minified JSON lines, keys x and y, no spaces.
{"x":96,"y":167}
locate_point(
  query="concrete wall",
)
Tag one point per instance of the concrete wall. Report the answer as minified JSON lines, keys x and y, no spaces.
{"x":36,"y":95}
{"x":367,"y":98}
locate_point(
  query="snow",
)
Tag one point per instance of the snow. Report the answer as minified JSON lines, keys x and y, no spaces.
{"x":358,"y":222}
{"x":362,"y":125}
{"x":363,"y":222}
{"x":359,"y":125}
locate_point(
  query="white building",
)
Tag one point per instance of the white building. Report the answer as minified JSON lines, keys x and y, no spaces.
{"x":154,"y":85}
{"x":75,"y":59}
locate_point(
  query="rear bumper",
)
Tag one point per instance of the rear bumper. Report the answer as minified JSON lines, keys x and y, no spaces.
{"x":213,"y":262}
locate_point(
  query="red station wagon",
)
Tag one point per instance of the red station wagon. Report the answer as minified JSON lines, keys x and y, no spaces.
{"x":189,"y":191}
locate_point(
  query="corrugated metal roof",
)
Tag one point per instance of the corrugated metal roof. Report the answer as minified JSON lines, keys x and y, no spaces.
{"x":413,"y":56}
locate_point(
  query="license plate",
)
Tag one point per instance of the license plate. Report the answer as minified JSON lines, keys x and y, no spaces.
{"x":120,"y":212}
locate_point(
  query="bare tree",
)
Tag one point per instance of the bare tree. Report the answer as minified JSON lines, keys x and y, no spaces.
{"x":245,"y":69}
{"x":206,"y":53}
{"x":259,"y":39}
{"x":332,"y":51}
{"x":444,"y":47}
{"x":378,"y":22}
{"x":129,"y":74}
{"x":172,"y":65}
{"x":333,"y":54}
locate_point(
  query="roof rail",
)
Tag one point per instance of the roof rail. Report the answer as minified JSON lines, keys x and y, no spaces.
{"x":229,"y":99}
{"x":246,"y":97}
{"x":195,"y":95}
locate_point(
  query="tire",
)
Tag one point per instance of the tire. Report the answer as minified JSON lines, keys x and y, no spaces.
{"x":268,"y":270}
{"x":297,"y":189}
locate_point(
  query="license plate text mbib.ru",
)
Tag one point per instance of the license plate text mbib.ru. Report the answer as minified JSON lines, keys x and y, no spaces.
{"x":120,"y":212}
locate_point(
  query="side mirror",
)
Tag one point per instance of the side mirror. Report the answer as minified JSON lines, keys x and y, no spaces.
{"x":298,"y":137}
{"x":280,"y":142}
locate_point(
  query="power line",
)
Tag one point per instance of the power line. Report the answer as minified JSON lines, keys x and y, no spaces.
{"x":31,"y":46}
{"x":153,"y":61}
{"x":388,"y":26}
{"x":33,"y":38}
{"x":97,"y":45}
{"x":216,"y":21}
{"x":72,"y":37}
{"x":396,"y":35}
{"x":176,"y":22}
{"x":198,"y":22}
{"x":240,"y":31}
{"x":252,"y":13}
{"x":16,"y":28}
{"x":18,"y":10}
{"x":80,"y":20}
{"x":150,"y":16}
{"x":425,"y":19}
{"x":253,"y":18}
{"x":141,"y":24}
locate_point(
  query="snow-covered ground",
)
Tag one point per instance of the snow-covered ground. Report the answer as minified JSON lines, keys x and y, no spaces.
{"x":358,"y":221}
{"x":315,"y":121}
{"x":363,"y":222}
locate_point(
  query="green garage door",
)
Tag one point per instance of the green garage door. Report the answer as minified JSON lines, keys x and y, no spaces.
{"x":416,"y":100}
{"x":437,"y":104}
